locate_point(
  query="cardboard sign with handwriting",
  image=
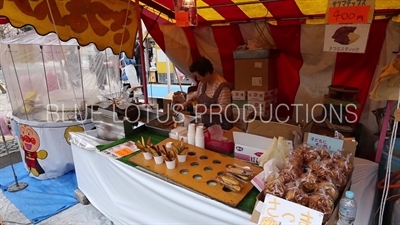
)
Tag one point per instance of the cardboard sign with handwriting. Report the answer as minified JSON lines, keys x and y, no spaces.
{"x":331,"y":144}
{"x":277,"y":211}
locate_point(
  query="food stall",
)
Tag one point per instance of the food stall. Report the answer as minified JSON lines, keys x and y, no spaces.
{"x":49,"y":83}
{"x":103,"y":171}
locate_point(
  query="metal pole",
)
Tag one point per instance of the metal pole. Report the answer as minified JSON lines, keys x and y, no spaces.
{"x":17,"y":186}
{"x":142,"y":60}
{"x":168,"y":75}
{"x":45,"y":79}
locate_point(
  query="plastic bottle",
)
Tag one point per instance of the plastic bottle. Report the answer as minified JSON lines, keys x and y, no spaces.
{"x":347,"y":209}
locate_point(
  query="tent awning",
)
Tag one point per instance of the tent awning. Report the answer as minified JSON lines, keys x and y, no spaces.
{"x":215,"y":11}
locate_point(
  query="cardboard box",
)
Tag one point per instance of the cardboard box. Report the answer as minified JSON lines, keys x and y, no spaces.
{"x":239,"y":95}
{"x":261,"y":95}
{"x":255,"y":69}
{"x":249,"y":147}
{"x":239,"y":104}
{"x":260,"y":201}
{"x":349,"y":146}
{"x":273,"y":129}
{"x":167,"y":101}
{"x":262,"y":108}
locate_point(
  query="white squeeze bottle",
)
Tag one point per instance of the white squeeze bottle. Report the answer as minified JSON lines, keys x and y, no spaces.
{"x":347,"y":209}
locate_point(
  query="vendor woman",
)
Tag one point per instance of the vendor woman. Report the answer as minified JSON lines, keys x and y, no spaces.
{"x":213,"y":95}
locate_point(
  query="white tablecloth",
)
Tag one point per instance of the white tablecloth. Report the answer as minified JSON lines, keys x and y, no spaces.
{"x":127,"y":195}
{"x":363,"y":184}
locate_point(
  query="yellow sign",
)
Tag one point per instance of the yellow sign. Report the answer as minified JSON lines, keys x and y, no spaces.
{"x":105,"y":23}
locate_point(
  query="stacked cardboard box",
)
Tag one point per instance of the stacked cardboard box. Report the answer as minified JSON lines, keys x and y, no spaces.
{"x":255,"y":86}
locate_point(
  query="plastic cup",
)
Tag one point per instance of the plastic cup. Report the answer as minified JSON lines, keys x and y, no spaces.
{"x":191,"y":129}
{"x":168,"y":144}
{"x":199,"y":131}
{"x":147,"y":155}
{"x":191,"y":139}
{"x":171,"y":164}
{"x":158,"y":160}
{"x":182,"y":158}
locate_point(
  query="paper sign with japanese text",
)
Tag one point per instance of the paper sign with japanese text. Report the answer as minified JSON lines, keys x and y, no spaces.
{"x":350,"y":11}
{"x":277,"y":211}
{"x":185,"y":13}
{"x":351,"y":38}
{"x":182,"y":18}
{"x":331,"y":144}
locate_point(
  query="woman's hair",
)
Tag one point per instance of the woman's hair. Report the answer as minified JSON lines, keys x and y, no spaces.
{"x":202,"y":66}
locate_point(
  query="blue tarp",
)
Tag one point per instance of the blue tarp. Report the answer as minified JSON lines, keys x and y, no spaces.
{"x":41,"y":199}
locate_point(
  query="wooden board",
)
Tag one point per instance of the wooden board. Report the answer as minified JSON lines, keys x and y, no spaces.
{"x":199,"y":172}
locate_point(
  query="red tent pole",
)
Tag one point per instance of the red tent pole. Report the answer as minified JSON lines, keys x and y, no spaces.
{"x":143,"y":68}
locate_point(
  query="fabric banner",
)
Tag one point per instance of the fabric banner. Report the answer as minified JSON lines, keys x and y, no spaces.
{"x":106,"y":23}
{"x":46,"y":151}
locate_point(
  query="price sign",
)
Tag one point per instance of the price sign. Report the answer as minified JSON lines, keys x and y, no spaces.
{"x":182,"y":18}
{"x":276,"y":211}
{"x":350,"y":11}
{"x":331,"y":144}
{"x":353,"y":14}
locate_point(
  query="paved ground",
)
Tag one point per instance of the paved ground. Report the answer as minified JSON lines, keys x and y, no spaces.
{"x":5,"y":107}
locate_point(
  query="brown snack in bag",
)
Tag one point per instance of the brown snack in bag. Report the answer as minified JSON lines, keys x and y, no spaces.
{"x":295,"y":194}
{"x":310,"y":156}
{"x":290,"y":175}
{"x":324,"y":173}
{"x":301,"y":149}
{"x":322,"y":203}
{"x":315,"y":165}
{"x":293,"y":160}
{"x":323,"y":153}
{"x":348,"y":166}
{"x":309,"y":181}
{"x":328,"y":188}
{"x":339,"y":178}
{"x":276,"y":188}
{"x":272,"y":177}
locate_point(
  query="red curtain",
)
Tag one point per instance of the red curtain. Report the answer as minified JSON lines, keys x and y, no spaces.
{"x":289,"y":62}
{"x":226,"y":47}
{"x":358,"y":70}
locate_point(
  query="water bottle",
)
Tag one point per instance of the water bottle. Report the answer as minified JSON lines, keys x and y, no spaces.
{"x":347,"y":209}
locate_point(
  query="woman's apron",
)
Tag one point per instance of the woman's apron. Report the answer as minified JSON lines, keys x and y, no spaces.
{"x":222,"y":119}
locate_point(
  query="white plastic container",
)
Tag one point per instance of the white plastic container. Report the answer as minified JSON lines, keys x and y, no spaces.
{"x":158,"y":160}
{"x":147,"y":155}
{"x":182,"y":158}
{"x":171,"y":164}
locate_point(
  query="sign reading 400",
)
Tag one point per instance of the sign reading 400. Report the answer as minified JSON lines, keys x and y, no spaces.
{"x":350,"y":11}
